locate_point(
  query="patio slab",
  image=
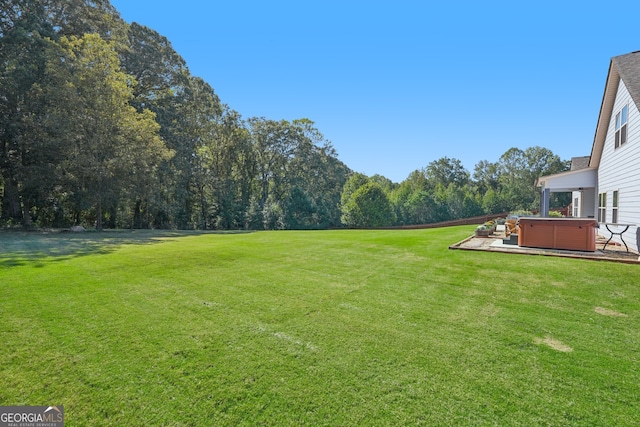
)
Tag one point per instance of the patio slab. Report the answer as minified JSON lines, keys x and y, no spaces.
{"x":493,"y":243}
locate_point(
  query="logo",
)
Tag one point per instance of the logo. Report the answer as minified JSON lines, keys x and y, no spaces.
{"x":31,"y":416}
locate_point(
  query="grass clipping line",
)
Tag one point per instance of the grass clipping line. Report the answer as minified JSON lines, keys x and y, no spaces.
{"x":554,"y":344}
{"x":608,"y":312}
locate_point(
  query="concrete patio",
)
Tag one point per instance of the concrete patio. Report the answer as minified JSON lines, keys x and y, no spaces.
{"x":493,"y":243}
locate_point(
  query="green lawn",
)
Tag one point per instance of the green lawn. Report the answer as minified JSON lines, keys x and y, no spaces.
{"x":314,"y":328}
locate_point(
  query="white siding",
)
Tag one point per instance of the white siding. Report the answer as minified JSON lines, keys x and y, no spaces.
{"x":620,"y":168}
{"x":585,"y":205}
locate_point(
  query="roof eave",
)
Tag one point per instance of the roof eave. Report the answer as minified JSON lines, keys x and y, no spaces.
{"x":569,"y":180}
{"x":604,"y":117}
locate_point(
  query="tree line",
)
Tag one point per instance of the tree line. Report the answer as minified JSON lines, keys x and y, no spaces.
{"x":445,"y":190}
{"x":102,"y":124}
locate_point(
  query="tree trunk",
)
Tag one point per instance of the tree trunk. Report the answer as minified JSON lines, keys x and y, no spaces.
{"x":11,"y":201}
{"x":203,"y":208}
{"x":265,"y":191}
{"x":99,"y":215}
{"x":112,"y":219}
{"x":137,"y":215}
{"x":26,"y":214}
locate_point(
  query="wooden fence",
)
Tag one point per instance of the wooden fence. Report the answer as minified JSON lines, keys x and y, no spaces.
{"x":464,"y":221}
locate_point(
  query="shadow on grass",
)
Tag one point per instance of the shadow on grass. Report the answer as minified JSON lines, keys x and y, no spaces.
{"x":35,"y":247}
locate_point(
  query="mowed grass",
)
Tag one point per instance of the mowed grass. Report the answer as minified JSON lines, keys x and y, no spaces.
{"x":314,"y":328}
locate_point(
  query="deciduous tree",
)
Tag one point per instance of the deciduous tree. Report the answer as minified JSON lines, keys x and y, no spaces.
{"x":368,"y":206}
{"x":25,"y":150}
{"x":107,"y":134}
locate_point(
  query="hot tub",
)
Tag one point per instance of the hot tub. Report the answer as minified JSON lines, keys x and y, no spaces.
{"x":578,"y":234}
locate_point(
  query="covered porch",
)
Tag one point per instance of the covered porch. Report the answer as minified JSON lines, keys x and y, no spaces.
{"x":580,"y":183}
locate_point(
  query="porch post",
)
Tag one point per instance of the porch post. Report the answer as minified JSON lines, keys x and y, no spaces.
{"x":544,"y":202}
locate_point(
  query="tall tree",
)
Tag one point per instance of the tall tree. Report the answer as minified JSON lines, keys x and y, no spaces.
{"x":445,"y":171}
{"x":368,"y":206}
{"x":274,"y":143}
{"x":159,"y":70}
{"x":196,"y":132}
{"x":421,"y":208}
{"x":355,"y":181}
{"x":518,"y":171}
{"x":227,"y":167}
{"x":164,"y":87}
{"x":79,"y":17}
{"x":485,"y":175}
{"x":316,"y":178}
{"x":24,"y":51}
{"x":407,"y":197}
{"x":29,"y":139}
{"x":458,"y":202}
{"x":107,"y":133}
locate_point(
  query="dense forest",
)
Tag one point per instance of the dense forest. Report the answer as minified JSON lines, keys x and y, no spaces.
{"x":102,"y":124}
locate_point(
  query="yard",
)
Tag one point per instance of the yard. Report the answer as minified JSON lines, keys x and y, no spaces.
{"x":314,"y":328}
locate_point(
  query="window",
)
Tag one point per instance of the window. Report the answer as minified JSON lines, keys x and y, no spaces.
{"x":621,"y":126}
{"x":602,"y":207}
{"x":576,"y":203}
{"x":614,"y":208}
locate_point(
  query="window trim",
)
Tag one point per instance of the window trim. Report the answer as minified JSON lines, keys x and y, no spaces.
{"x":602,"y":207}
{"x":621,"y":126}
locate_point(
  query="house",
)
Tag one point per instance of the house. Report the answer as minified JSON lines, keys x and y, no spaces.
{"x":608,"y":188}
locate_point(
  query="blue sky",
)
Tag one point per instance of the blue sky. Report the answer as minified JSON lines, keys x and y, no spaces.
{"x":396,"y":85}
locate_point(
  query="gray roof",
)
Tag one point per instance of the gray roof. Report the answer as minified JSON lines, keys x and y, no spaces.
{"x":578,"y":163}
{"x":628,"y":67}
{"x":625,"y":68}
